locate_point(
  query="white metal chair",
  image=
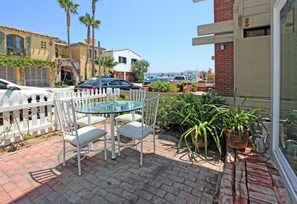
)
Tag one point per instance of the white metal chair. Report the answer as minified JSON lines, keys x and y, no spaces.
{"x":76,"y":137}
{"x":135,"y":95}
{"x":139,"y":130}
{"x":84,"y":98}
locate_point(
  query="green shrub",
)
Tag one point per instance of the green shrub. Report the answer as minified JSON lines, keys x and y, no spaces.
{"x":164,"y":87}
{"x":60,"y":84}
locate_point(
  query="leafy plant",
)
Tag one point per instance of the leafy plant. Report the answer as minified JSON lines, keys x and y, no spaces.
{"x":166,"y":119}
{"x":60,"y":84}
{"x":202,"y":119}
{"x":240,"y":120}
{"x":165,"y":87}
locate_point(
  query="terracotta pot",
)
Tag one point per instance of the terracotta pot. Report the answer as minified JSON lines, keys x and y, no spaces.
{"x":201,"y":142}
{"x":234,"y":141}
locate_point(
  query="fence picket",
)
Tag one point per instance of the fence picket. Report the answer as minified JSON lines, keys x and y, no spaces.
{"x":35,"y":116}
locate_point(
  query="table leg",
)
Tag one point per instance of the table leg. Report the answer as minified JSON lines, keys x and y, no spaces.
{"x":90,"y":145}
{"x":112,"y":136}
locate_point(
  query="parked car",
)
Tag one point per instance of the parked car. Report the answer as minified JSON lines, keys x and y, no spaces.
{"x":180,"y":78}
{"x":163,"y":79}
{"x":10,"y":89}
{"x":92,"y":79}
{"x":107,"y":83}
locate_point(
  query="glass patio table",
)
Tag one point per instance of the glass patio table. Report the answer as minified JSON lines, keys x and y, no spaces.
{"x":109,"y":107}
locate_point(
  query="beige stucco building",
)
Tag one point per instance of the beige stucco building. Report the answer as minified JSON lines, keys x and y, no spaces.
{"x":16,"y":42}
{"x":240,"y":27}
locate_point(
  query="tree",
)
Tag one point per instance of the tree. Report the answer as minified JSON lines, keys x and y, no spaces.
{"x":108,"y":64}
{"x":70,"y":8}
{"x":139,"y":68}
{"x":93,"y":36}
{"x":88,"y":21}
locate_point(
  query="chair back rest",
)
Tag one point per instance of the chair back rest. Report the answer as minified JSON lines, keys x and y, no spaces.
{"x":66,"y":116}
{"x":137,"y":94}
{"x":149,"y":112}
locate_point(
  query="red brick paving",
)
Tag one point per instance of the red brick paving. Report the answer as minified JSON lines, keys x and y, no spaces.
{"x":251,"y":178}
{"x":36,"y":175}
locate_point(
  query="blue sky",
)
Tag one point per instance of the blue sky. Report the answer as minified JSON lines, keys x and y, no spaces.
{"x":160,"y":31}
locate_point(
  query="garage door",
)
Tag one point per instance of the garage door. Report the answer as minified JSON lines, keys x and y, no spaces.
{"x":7,"y":73}
{"x":36,"y":76}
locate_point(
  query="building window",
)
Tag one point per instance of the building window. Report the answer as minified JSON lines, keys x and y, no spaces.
{"x":288,"y":87}
{"x":255,"y":32}
{"x":43,"y":45}
{"x":122,"y":60}
{"x":133,"y":61}
{"x":15,"y":45}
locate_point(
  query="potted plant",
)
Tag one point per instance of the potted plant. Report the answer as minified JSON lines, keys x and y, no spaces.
{"x":239,"y":124}
{"x":194,"y":86}
{"x":201,"y":122}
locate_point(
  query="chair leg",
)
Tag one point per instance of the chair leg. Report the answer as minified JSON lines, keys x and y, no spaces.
{"x":64,"y":153}
{"x":78,"y":161}
{"x":105,"y":125}
{"x":154,"y":139}
{"x":105,"y":152}
{"x":119,"y":145}
{"x":141,"y":149}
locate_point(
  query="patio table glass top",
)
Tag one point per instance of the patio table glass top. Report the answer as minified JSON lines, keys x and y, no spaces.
{"x":109,"y":107}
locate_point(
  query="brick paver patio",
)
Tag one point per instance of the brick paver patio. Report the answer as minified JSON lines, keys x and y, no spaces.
{"x":36,"y":175}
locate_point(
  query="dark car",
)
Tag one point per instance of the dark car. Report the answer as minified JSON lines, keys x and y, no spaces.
{"x":107,"y":83}
{"x":163,"y":79}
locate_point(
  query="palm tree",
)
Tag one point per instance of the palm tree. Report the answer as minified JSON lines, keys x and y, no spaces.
{"x":87,"y":21}
{"x":108,"y":64}
{"x":70,"y":8}
{"x":93,"y":36}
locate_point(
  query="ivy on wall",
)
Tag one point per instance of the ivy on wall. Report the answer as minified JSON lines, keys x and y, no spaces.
{"x":21,"y":62}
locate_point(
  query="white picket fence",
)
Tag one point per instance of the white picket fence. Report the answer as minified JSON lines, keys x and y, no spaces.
{"x":19,"y":117}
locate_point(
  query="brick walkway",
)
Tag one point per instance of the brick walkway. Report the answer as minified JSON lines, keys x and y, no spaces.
{"x":251,"y":178}
{"x":36,"y":175}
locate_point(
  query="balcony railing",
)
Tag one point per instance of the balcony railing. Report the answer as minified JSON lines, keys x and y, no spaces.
{"x":13,"y":51}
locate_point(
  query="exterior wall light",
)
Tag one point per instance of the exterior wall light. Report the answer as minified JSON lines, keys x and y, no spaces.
{"x":222,"y":46}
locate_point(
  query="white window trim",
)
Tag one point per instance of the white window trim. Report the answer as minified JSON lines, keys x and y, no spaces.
{"x":285,"y":169}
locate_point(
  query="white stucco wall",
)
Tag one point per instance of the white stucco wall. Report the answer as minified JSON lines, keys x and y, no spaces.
{"x":121,"y":67}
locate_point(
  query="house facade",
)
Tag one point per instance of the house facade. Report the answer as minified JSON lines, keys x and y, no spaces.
{"x":20,"y":43}
{"x":16,"y":42}
{"x":125,"y":58}
{"x":255,"y":51}
{"x":79,"y":55}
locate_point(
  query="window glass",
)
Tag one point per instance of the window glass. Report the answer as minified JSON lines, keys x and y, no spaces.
{"x":9,"y":41}
{"x":115,"y":82}
{"x":125,"y":83}
{"x":288,"y":83}
{"x":3,"y":85}
{"x":19,"y":42}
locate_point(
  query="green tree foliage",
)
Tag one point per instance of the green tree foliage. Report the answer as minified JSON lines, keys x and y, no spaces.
{"x":139,"y":68}
{"x":107,"y":64}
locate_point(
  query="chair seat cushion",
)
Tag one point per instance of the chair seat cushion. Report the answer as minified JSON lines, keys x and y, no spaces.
{"x":134,"y":130}
{"x":94,"y":120}
{"x":85,"y":135}
{"x":128,"y":117}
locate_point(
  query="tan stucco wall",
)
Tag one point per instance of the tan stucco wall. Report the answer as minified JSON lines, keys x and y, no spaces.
{"x":44,"y":54}
{"x":253,"y":66}
{"x":36,"y":51}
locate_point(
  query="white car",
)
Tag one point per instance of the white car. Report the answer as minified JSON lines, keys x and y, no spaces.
{"x":10,"y":89}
